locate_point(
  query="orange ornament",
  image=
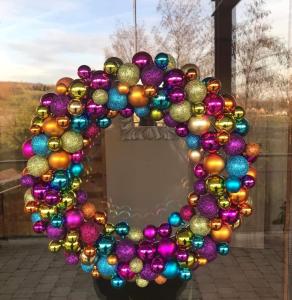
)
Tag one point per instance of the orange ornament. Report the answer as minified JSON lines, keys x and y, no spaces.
{"x":112,"y":114}
{"x":48,"y":176}
{"x":216,"y":223}
{"x":239,"y":197}
{"x":214,"y":163}
{"x":193,"y":199}
{"x":62,"y":85}
{"x":52,"y":128}
{"x":123,"y":88}
{"x":100,"y":217}
{"x":252,"y":172}
{"x":223,"y":234}
{"x":137,"y":97}
{"x":150,"y":90}
{"x":89,"y":210}
{"x":160,"y":280}
{"x":31,"y":207}
{"x":202,"y":261}
{"x":59,"y":160}
{"x":63,"y":121}
{"x":246,"y":209}
{"x":229,"y":103}
{"x":223,"y":137}
{"x":34,"y":129}
{"x":89,"y":251}
{"x":252,"y":149}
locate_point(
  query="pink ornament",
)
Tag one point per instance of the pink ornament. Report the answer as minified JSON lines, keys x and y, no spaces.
{"x":157,"y":264}
{"x":166,"y":248}
{"x":150,"y":232}
{"x":125,"y":272}
{"x":187,"y":212}
{"x":209,"y":142}
{"x":214,"y":104}
{"x":164,"y":230}
{"x":182,"y":255}
{"x":89,"y":232}
{"x":39,"y":227}
{"x":229,"y":215}
{"x":73,"y":219}
{"x":146,"y":250}
{"x":27,"y":150}
{"x":39,"y":191}
{"x":199,"y":171}
{"x":77,"y":157}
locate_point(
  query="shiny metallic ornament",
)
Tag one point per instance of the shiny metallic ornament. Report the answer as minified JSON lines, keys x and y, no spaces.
{"x":238,"y":113}
{"x":77,"y":89}
{"x":71,"y":246}
{"x":54,"y":246}
{"x":214,"y":86}
{"x":46,"y":212}
{"x":194,"y":156}
{"x":111,"y":65}
{"x":202,"y":261}
{"x":37,"y":121}
{"x":42,"y":111}
{"x":54,"y":143}
{"x":223,"y":234}
{"x":156,"y":114}
{"x":215,"y":224}
{"x":52,"y":128}
{"x":123,"y":88}
{"x":215,"y":185}
{"x":193,"y":199}
{"x":199,"y":125}
{"x":63,"y":121}
{"x":112,"y":259}
{"x":239,"y":197}
{"x":191,"y":71}
{"x":87,"y":260}
{"x":94,"y":273}
{"x":223,"y":202}
{"x":89,"y":251}
{"x":100,"y":217}
{"x":76,"y":183}
{"x":47,"y":177}
{"x":34,"y":129}
{"x":196,"y":91}
{"x":68,"y":199}
{"x":190,"y":262}
{"x":31,"y":207}
{"x":223,"y":137}
{"x":109,"y":228}
{"x":184,"y":238}
{"x":75,"y":107}
{"x":198,"y":109}
{"x":72,"y":236}
{"x":225,"y":123}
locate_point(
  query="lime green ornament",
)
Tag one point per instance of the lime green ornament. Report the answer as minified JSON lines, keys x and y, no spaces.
{"x":180,"y":112}
{"x":129,"y":74}
{"x":72,"y":141}
{"x":100,"y":96}
{"x":199,"y":225}
{"x":37,"y":166}
{"x":196,"y":91}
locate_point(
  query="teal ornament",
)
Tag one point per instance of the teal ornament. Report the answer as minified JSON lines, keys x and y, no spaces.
{"x":117,"y":282}
{"x":105,"y":245}
{"x":175,"y":219}
{"x":193,"y":141}
{"x":39,"y":145}
{"x":57,"y":221}
{"x":142,"y":112}
{"x":87,"y":268}
{"x":223,"y":248}
{"x":105,"y":269}
{"x":76,"y":169}
{"x":171,"y":269}
{"x":241,"y":127}
{"x":79,"y":123}
{"x":60,"y":180}
{"x":185,"y":274}
{"x":160,"y":101}
{"x":161,"y":60}
{"x":116,"y":101}
{"x":237,"y":166}
{"x":35,"y":217}
{"x":122,"y":229}
{"x":232,"y":184}
{"x":103,"y":122}
{"x":198,"y":241}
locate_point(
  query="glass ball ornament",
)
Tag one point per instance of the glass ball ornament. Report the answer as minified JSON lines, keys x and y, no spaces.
{"x":166,"y":248}
{"x":146,"y":250}
{"x":175,"y":219}
{"x":105,"y":245}
{"x":125,"y":272}
{"x":171,"y":270}
{"x":51,"y":127}
{"x":54,"y":246}
{"x":142,"y":112}
{"x":223,"y":234}
{"x":213,"y":104}
{"x":137,"y":97}
{"x":42,"y":111}
{"x":197,"y":241}
{"x":150,"y":232}
{"x":100,"y":80}
{"x":77,"y":89}
{"x":164,"y":230}
{"x":229,"y":102}
{"x":232,"y":184}
{"x":105,"y":269}
{"x":122,"y":229}
{"x":214,"y":86}
{"x":118,"y":282}
{"x":185,"y":274}
{"x":142,"y":59}
{"x":112,"y":65}
{"x":60,"y":180}
{"x":193,"y":141}
{"x":54,"y":144}
{"x":184,"y":238}
{"x":242,"y":127}
{"x":180,"y":112}
{"x":37,"y":166}
{"x":84,"y":72}
{"x":237,"y":166}
{"x":116,"y":101}
{"x":171,"y":63}
{"x":72,"y":141}
{"x":199,"y":125}
{"x":198,"y":109}
{"x":174,"y":78}
{"x":199,"y":225}
{"x":59,"y":160}
{"x":129,"y":74}
{"x":156,"y":114}
{"x":195,"y":91}
{"x":215,"y":184}
{"x":181,"y":130}
{"x":104,"y":122}
{"x":225,"y":123}
{"x":161,"y":60}
{"x":223,"y":248}
{"x":191,"y":72}
{"x":238,"y":113}
{"x":79,"y":123}
{"x":75,"y":107}
{"x":239,"y":197}
{"x":157,"y":264}
{"x":214,"y":163}
{"x":160,"y":101}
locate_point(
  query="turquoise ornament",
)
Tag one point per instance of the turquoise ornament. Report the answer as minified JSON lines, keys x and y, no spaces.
{"x":60,"y":180}
{"x":193,"y":141}
{"x":105,"y":269}
{"x":39,"y":145}
{"x":76,"y":169}
{"x":116,"y":101}
{"x":171,"y":270}
{"x":185,"y":274}
{"x":160,"y":101}
{"x":117,"y":282}
{"x":223,"y":249}
{"x":232,"y":184}
{"x":57,"y":221}
{"x":79,"y":123}
{"x":197,"y":241}
{"x":122,"y":229}
{"x":105,"y":245}
{"x":237,"y":166}
{"x":35,"y":217}
{"x":241,"y":127}
{"x":87,"y":268}
{"x":175,"y":219}
{"x":161,"y":60}
{"x":142,"y":112}
{"x":103,"y":122}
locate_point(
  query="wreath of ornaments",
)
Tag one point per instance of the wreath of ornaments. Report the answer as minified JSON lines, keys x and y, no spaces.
{"x":213,"y":127}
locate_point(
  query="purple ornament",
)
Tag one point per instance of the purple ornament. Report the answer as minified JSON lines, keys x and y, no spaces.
{"x":214,"y":104}
{"x":248,"y":181}
{"x":199,"y":171}
{"x":169,"y":121}
{"x":39,"y":226}
{"x":58,"y":107}
{"x":174,"y":78}
{"x":52,"y":197}
{"x":235,"y":145}
{"x":182,"y":130}
{"x":150,"y":232}
{"x":142,"y":59}
{"x":55,"y":233}
{"x":200,"y":187}
{"x":182,"y":255}
{"x":177,"y":95}
{"x":95,"y":110}
{"x":166,"y":248}
{"x":27,"y":180}
{"x":47,"y":99}
{"x":100,"y":80}
{"x":73,"y":219}
{"x":209,"y":142}
{"x":39,"y":191}
{"x":229,"y":215}
{"x":77,"y":157}
{"x":125,"y":250}
{"x":81,"y":197}
{"x":207,"y":206}
{"x":151,"y":75}
{"x":125,"y":272}
{"x":27,"y":150}
{"x":146,"y":250}
{"x":209,"y":249}
{"x":164,"y":230}
{"x":157,"y":266}
{"x":127,"y":112}
{"x":186,"y":212}
{"x":92,"y":131}
{"x":71,"y":258}
{"x":84,"y":72}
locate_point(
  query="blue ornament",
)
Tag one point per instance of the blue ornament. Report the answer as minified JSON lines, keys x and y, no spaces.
{"x":232,"y":184}
{"x":105,"y":269}
{"x":87,"y":268}
{"x":39,"y":145}
{"x":79,"y":123}
{"x":103,"y":122}
{"x":237,"y":166}
{"x":60,"y":180}
{"x":175,"y":219}
{"x":76,"y":169}
{"x":241,"y":127}
{"x":122,"y":229}
{"x":35,"y":217}
{"x":57,"y":221}
{"x":142,"y":111}
{"x":185,"y":274}
{"x":116,"y":101}
{"x":161,"y":60}
{"x":117,"y":282}
{"x":160,"y":101}
{"x":193,"y":141}
{"x":198,"y":241}
{"x":171,"y":269}
{"x":223,"y":248}
{"x":105,"y":245}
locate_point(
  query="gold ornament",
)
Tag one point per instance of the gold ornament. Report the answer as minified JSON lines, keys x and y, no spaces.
{"x":54,"y":246}
{"x":223,"y":234}
{"x":199,"y":225}
{"x":37,"y":166}
{"x":31,"y":207}
{"x":94,"y":273}
{"x":109,"y":228}
{"x":150,"y":91}
{"x":100,"y":97}
{"x":142,"y":283}
{"x":135,"y":234}
{"x":252,"y":149}
{"x":112,"y":259}
{"x":246,"y":209}
{"x":191,"y":71}
{"x":77,"y":89}
{"x":72,"y":236}
{"x":196,"y":91}
{"x":214,"y":163}
{"x":71,"y":246}
{"x":216,"y":223}
{"x":239,"y":197}
{"x":100,"y":217}
{"x":190,"y":262}
{"x":184,"y":238}
{"x":46,"y":211}
{"x":63,"y":84}
{"x":89,"y":251}
{"x":229,"y":102}
{"x":215,"y":185}
{"x":75,"y":107}
{"x":68,"y":199}
{"x":129,"y":74}
{"x":42,"y":111}
{"x":198,"y":109}
{"x":156,"y":114}
{"x":112,"y":114}
{"x":238,"y":112}
{"x":72,"y":141}
{"x":76,"y":183}
{"x":180,"y":112}
{"x":214,"y":86}
{"x":52,"y":128}
{"x":47,"y":177}
{"x":136,"y":265}
{"x":54,"y":143}
{"x":35,"y":130}
{"x":194,"y":156}
{"x":202,"y":261}
{"x":225,"y":123}
{"x":137,"y":97}
{"x":199,"y":125}
{"x":87,"y":260}
{"x":63,"y":121}
{"x":223,"y":202}
{"x":193,"y":199}
{"x":112,"y":65}
{"x":37,"y":121}
{"x":223,"y":137}
{"x":59,"y":160}
{"x":171,"y":62}
{"x":123,"y":88}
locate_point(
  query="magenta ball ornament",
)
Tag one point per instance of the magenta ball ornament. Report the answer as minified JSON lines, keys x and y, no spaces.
{"x":95,"y":110}
{"x":55,"y":233}
{"x":176,"y":95}
{"x":229,"y":215}
{"x":164,"y":230}
{"x":39,"y":191}
{"x":125,"y":271}
{"x":209,"y":249}
{"x":182,"y":130}
{"x":186,"y":212}
{"x":27,"y":150}
{"x":181,"y":255}
{"x":174,"y":78}
{"x":52,"y":197}
{"x":89,"y":232}
{"x":142,"y":59}
{"x":235,"y":145}
{"x":166,"y":248}
{"x":146,"y":250}
{"x":248,"y":181}
{"x":209,"y":142}
{"x":71,"y":258}
{"x":100,"y":80}
{"x":169,"y":121}
{"x":127,"y":112}
{"x":150,"y":232}
{"x":214,"y":104}
{"x":157,"y":264}
{"x":92,"y":131}
{"x":84,"y":72}
{"x":151,"y":75}
{"x":39,"y":226}
{"x":199,"y":171}
{"x":73,"y":219}
{"x":77,"y":156}
{"x":200,"y":187}
{"x":125,"y":250}
{"x":207,"y":206}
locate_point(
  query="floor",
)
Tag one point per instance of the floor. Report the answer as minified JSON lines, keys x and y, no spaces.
{"x":29,"y":271}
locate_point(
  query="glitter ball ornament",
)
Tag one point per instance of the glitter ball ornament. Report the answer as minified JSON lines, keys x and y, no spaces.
{"x":116,"y":101}
{"x":237,"y":166}
{"x":125,"y":250}
{"x":207,"y":206}
{"x":128,"y":73}
{"x":180,"y":112}
{"x":199,"y":225}
{"x":235,"y":145}
{"x":152,"y":75}
{"x":37,"y":166}
{"x":72,"y":141}
{"x":39,"y":145}
{"x":195,"y":91}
